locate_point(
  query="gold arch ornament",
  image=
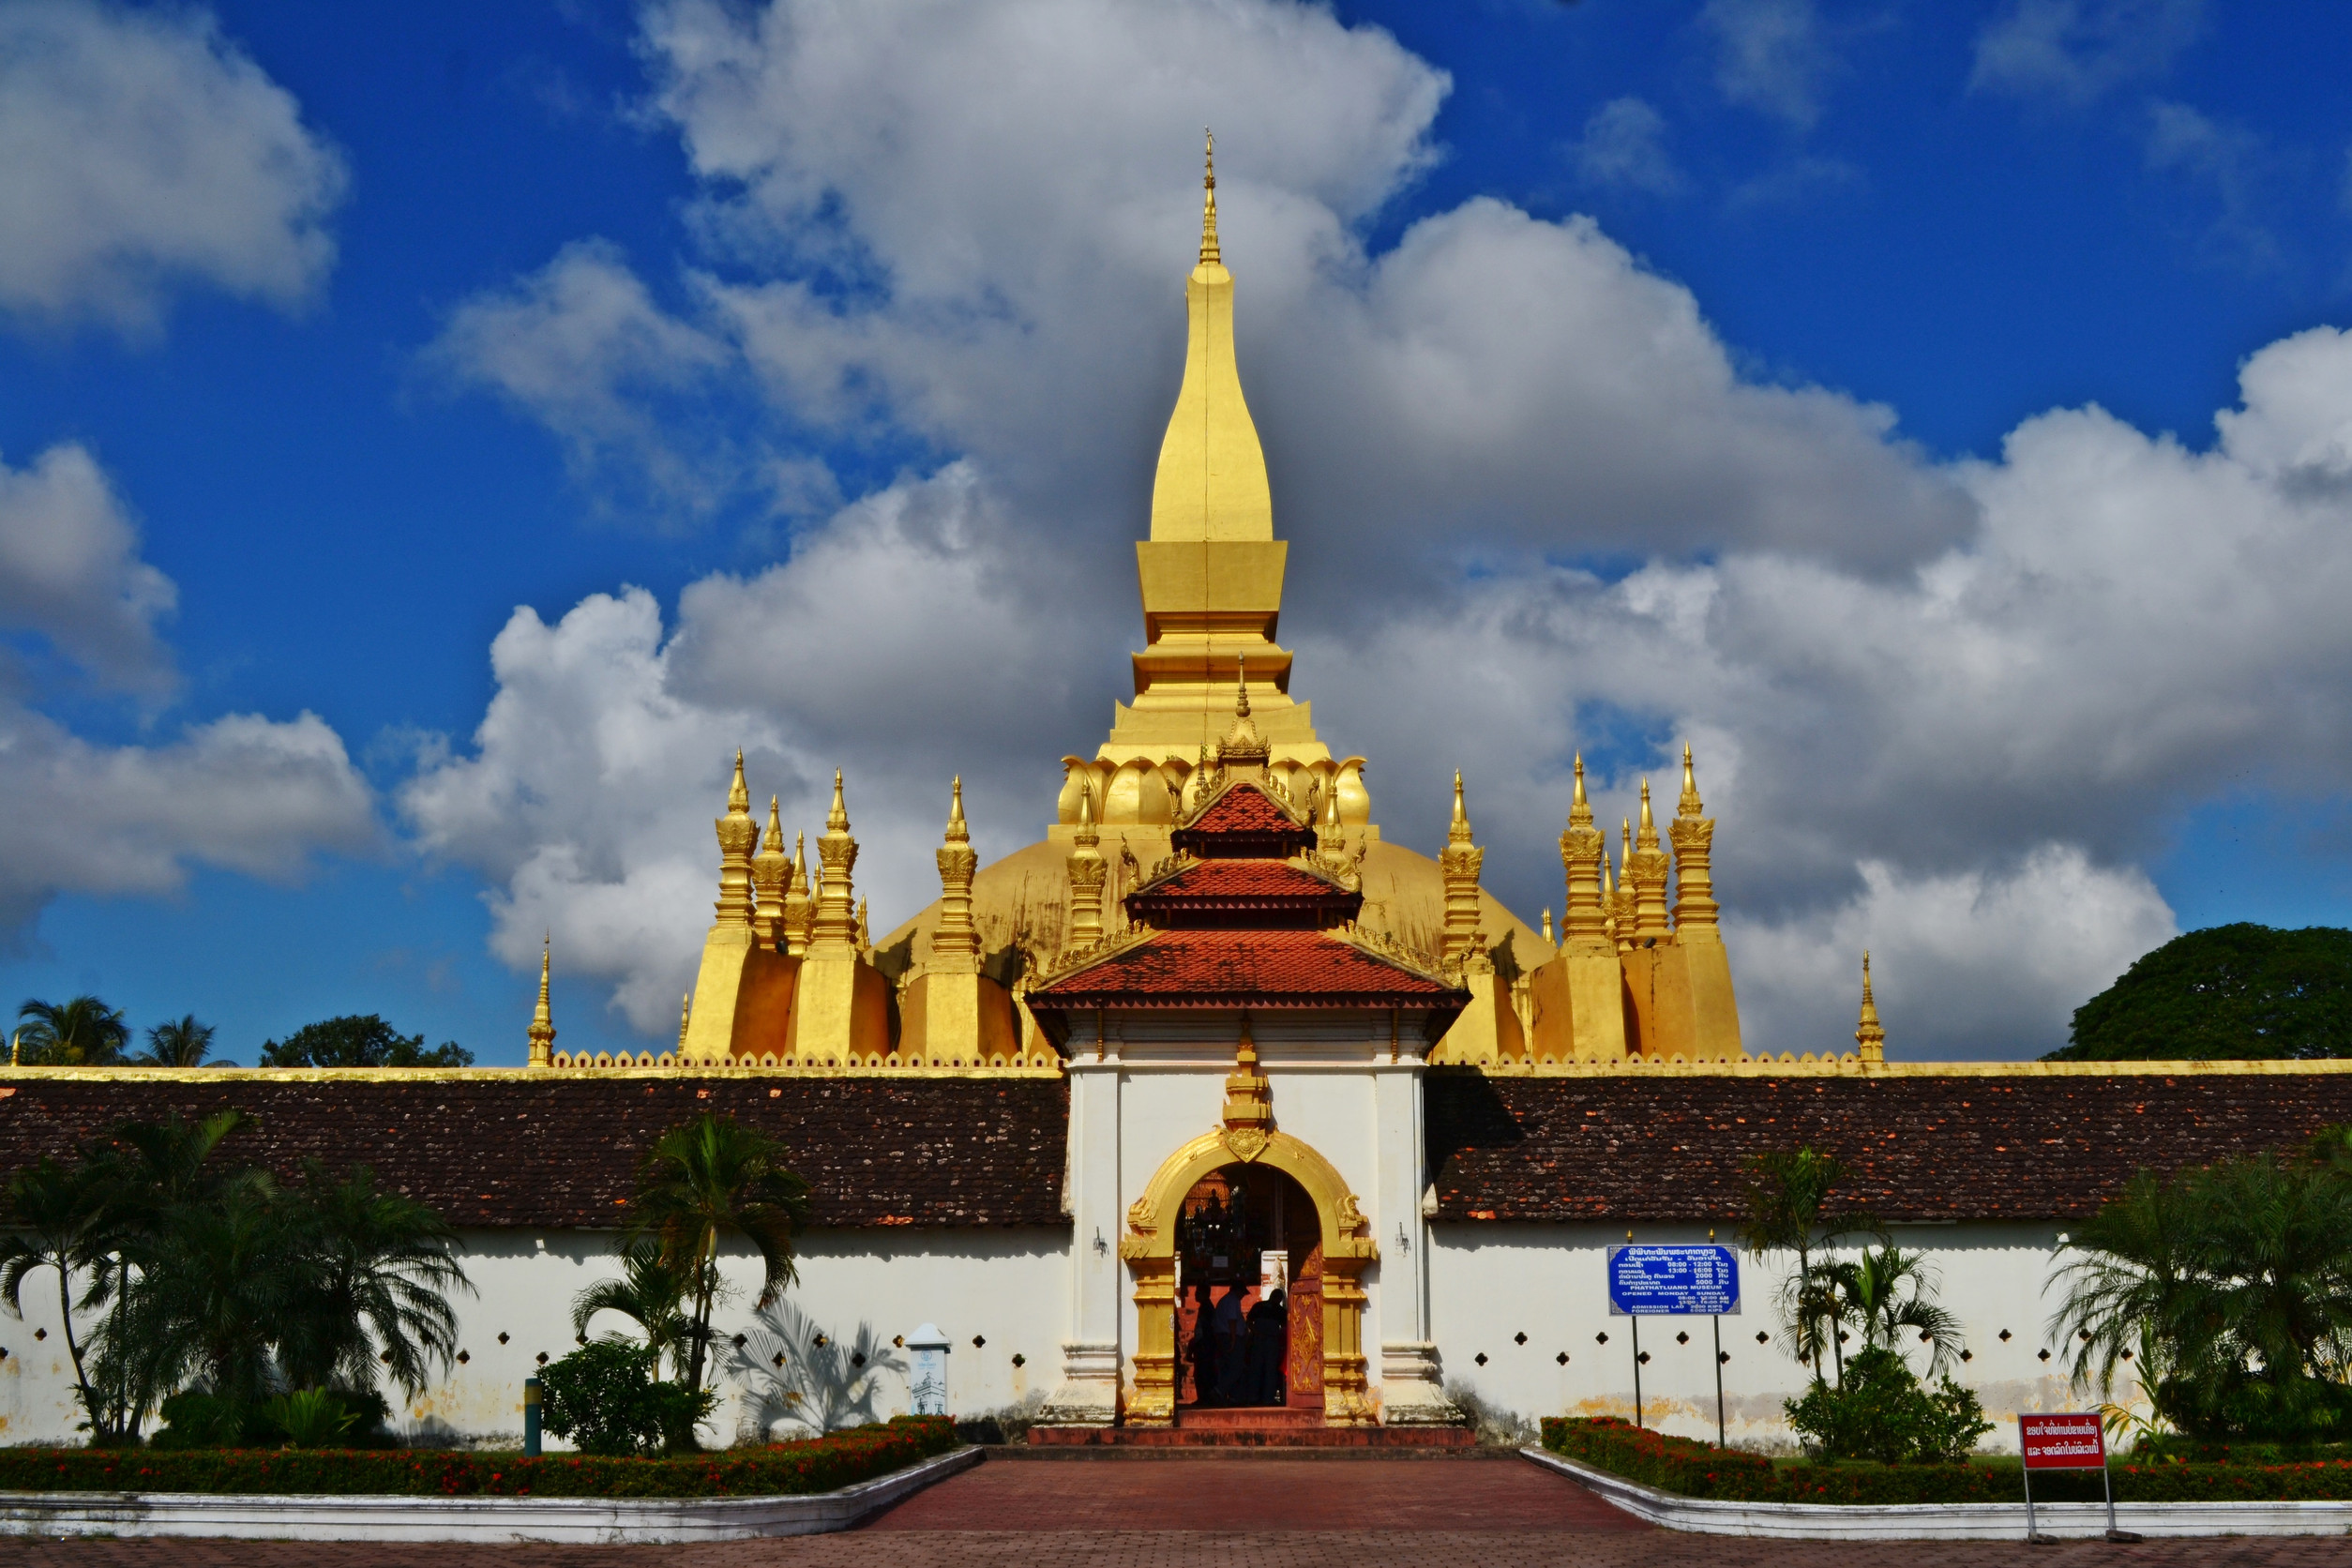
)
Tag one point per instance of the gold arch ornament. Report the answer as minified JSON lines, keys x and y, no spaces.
{"x":1149,"y":1248}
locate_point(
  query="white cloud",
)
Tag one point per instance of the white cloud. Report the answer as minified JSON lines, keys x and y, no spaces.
{"x":1975,"y":691}
{"x":2228,"y":161}
{"x":2075,"y":52}
{"x":1771,"y":55}
{"x":70,"y":571}
{"x":1625,"y":144}
{"x":141,"y":151}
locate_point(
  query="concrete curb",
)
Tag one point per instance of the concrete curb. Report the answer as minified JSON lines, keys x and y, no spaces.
{"x":1947,"y":1521}
{"x":576,"y":1521}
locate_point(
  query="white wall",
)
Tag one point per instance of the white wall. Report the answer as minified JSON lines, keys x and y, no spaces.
{"x":1002,"y":1285}
{"x":1492,"y":1282}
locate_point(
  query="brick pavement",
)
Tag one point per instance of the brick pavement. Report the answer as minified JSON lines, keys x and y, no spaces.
{"x":1082,"y":1515}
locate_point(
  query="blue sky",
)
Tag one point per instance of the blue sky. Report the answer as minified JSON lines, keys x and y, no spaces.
{"x":424,"y":313}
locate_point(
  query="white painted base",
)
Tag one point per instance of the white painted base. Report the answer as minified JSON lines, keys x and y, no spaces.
{"x":1948,"y":1521}
{"x":1413,"y":1390}
{"x":1089,"y":1392}
{"x":579,"y":1521}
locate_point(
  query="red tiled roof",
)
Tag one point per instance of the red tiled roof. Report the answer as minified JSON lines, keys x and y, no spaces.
{"x":1671,"y":1149}
{"x":1244,"y":820}
{"x":1242,"y":879}
{"x":1234,"y":894}
{"x":558,"y":1150}
{"x":1249,"y":969}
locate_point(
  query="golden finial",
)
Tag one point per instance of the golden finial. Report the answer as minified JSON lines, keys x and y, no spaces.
{"x":1690,"y":804}
{"x":864,"y":941}
{"x":776,"y":828}
{"x":837,"y":820}
{"x":1209,"y":253}
{"x":542,"y":1031}
{"x":1647,"y":838}
{"x":1869,"y":1037}
{"x":1579,"y":808}
{"x":1608,"y":880}
{"x":800,"y":862}
{"x":957,"y":832}
{"x":1086,"y":834}
{"x":1241,"y":691}
{"x":685,"y":1016}
{"x":738,"y":798}
{"x":1625,"y":840}
{"x":1458,"y":831}
{"x":1547,"y":926}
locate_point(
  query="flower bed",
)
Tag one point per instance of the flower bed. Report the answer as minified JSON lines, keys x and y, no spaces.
{"x":1695,"y":1470}
{"x":819,"y":1465}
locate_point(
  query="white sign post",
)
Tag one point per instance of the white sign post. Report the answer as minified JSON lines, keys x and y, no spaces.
{"x":927,"y":1371}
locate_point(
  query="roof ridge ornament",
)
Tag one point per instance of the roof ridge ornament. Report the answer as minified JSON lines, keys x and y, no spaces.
{"x":1209,"y":254}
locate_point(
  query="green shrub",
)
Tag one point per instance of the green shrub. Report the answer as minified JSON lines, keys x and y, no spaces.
{"x":607,"y":1399}
{"x":309,"y":1417}
{"x":1880,"y":1411}
{"x":1695,"y":1470}
{"x":778,"y":1470}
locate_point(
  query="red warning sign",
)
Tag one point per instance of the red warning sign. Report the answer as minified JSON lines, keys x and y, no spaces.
{"x":2062,"y":1442}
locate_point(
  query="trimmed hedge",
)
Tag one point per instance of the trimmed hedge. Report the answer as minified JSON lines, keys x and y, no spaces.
{"x":818,"y":1465}
{"x":1695,"y":1470}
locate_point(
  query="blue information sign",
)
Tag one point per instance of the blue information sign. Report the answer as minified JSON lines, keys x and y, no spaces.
{"x":1673,"y":1281}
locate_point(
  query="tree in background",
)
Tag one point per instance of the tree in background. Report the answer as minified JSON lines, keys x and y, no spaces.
{"x":359,"y":1040}
{"x":2231,"y":1288}
{"x":181,"y":1043}
{"x":83,"y":1033}
{"x":701,"y":1180}
{"x":2227,"y":992}
{"x":1889,"y":1294}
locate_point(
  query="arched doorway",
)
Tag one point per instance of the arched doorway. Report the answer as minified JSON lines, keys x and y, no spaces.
{"x":1249,"y":1293}
{"x":1149,"y":1250}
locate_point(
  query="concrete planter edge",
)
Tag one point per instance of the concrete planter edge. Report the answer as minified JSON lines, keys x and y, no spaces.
{"x":578,"y":1521}
{"x":1946,"y":1522}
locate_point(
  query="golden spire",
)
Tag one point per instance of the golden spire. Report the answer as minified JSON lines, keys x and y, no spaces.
{"x":1649,"y":838}
{"x":1547,"y":926}
{"x":1243,"y":745}
{"x":1693,"y":835}
{"x":836,"y":930}
{"x":685,"y":1016}
{"x":954,"y":941}
{"x":542,"y":1031}
{"x":1211,"y":477}
{"x":1646,"y":872}
{"x":1088,"y":872}
{"x":770,"y":868}
{"x":1868,"y":1036}
{"x":1209,"y":204}
{"x":1584,"y":860}
{"x":738,"y":835}
{"x":1625,"y":898}
{"x":1458,"y":862}
{"x":799,"y":910}
{"x":1330,"y":836}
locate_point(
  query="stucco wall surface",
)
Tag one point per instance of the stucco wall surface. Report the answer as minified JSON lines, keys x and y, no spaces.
{"x":1492,"y":1283}
{"x":858,"y":1290}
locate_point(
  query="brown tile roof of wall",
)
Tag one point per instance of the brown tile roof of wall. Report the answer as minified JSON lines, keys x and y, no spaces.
{"x":1670,"y":1148}
{"x":560,"y":1151}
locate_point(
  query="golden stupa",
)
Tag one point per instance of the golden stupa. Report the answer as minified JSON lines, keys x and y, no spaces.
{"x":790,"y":979}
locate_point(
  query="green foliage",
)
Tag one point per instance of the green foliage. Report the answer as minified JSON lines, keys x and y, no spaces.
{"x":703,"y":1180}
{"x":822,"y":1465}
{"x":1890,"y":1295}
{"x":309,"y":1417}
{"x":607,"y":1398}
{"x":359,"y":1040}
{"x":195,"y":1419}
{"x":1789,"y":1211}
{"x":652,"y":1292}
{"x":1880,"y":1411}
{"x":2227,"y":992}
{"x":83,"y":1033}
{"x":181,"y":1043}
{"x":2230,"y":1289}
{"x":1690,"y":1469}
{"x":221,"y":1281}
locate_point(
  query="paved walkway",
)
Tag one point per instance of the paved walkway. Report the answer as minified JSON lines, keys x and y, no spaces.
{"x":1281,"y":1514}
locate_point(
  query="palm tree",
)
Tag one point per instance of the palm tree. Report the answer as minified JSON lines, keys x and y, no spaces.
{"x":651,"y":1292}
{"x":1787,"y":1199}
{"x":83,"y":1033}
{"x":703,"y":1179}
{"x":1890,"y":1292}
{"x":2240,"y":1276}
{"x":182,"y":1043}
{"x":376,"y":1268}
{"x":226,"y":1281}
{"x":57,"y":1214}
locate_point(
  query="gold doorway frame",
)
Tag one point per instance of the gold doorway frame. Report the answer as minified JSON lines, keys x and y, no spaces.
{"x":1149,"y":1248}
